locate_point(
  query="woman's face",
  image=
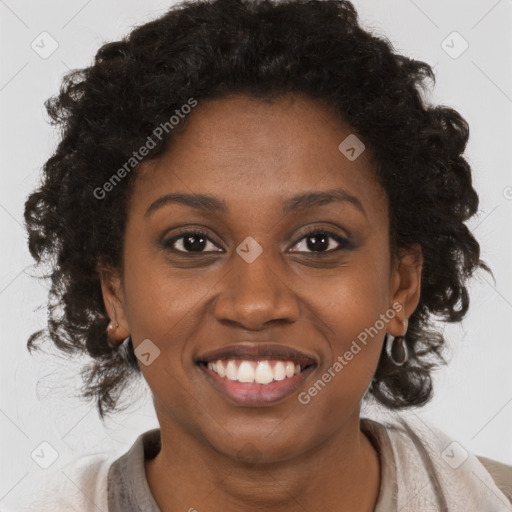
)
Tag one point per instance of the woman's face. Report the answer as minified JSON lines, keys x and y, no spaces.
{"x":254,"y":286}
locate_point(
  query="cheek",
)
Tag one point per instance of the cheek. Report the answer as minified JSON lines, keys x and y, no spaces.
{"x":352,"y":308}
{"x":165,"y":309}
{"x":354,"y":296}
{"x":160,"y":300}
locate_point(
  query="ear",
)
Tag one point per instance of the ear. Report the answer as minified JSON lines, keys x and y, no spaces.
{"x":405,"y":287}
{"x":113,"y":298}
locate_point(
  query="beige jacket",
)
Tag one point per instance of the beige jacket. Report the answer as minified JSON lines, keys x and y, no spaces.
{"x":501,"y":474}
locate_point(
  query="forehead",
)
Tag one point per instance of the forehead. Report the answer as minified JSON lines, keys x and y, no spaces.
{"x":251,"y":151}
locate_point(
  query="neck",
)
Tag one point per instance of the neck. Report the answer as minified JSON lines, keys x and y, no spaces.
{"x":341,"y":474}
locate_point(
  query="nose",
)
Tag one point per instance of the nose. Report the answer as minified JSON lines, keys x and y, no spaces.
{"x":254,"y":295}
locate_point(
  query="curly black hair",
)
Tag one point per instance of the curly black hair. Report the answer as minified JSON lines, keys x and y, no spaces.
{"x":264,"y":48}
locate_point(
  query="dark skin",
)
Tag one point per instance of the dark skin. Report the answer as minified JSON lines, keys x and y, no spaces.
{"x":217,"y":455}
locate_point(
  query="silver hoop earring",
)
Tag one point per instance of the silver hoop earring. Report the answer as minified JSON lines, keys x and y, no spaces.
{"x":397,"y":350}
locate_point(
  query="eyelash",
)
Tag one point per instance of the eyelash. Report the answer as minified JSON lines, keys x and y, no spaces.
{"x":343,"y":242}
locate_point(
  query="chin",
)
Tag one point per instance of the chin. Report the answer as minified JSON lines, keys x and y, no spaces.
{"x":264,"y":444}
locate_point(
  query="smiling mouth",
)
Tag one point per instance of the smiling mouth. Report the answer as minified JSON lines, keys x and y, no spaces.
{"x":256,"y":375}
{"x":255,"y":372}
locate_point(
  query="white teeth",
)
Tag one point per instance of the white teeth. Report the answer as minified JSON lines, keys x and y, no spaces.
{"x":245,"y":372}
{"x":279,"y":373}
{"x":231,"y":370}
{"x":264,"y":373}
{"x":220,"y":368}
{"x":260,"y":372}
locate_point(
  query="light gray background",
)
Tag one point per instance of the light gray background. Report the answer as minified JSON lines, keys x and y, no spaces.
{"x":473,"y":400}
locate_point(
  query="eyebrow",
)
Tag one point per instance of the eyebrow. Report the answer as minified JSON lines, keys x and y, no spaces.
{"x":298,"y":202}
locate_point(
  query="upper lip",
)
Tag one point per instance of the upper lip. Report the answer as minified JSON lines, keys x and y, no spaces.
{"x":257,"y":351}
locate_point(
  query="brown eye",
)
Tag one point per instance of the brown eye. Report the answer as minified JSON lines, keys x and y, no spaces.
{"x":321,"y":241}
{"x":190,"y":242}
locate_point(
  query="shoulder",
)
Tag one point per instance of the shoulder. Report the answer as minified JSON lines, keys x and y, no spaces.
{"x":429,"y":462}
{"x":78,"y":486}
{"x":501,"y":474}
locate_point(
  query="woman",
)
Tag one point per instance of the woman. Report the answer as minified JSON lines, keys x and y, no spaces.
{"x":253,"y":206}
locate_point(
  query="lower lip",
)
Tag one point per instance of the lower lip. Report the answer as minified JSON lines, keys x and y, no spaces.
{"x":253,"y":394}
